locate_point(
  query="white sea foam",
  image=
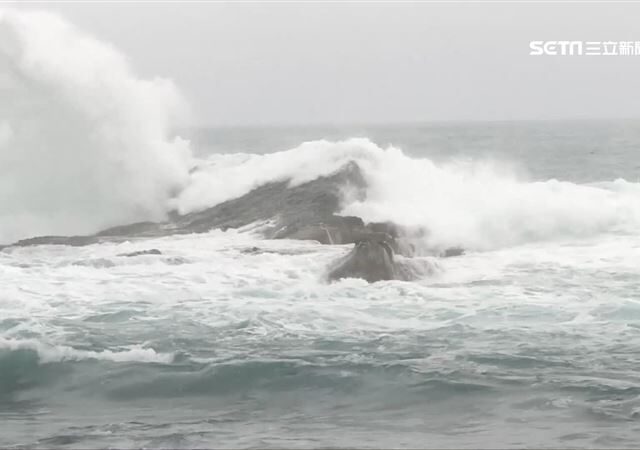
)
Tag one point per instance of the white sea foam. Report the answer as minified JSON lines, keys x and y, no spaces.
{"x":84,"y":143}
{"x":58,"y":353}
{"x":479,"y":205}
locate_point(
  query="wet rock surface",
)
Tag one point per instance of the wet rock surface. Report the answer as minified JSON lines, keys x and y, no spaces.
{"x":307,"y":211}
{"x":369,"y":260}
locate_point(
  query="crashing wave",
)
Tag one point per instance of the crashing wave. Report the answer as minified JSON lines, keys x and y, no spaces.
{"x":84,"y":143}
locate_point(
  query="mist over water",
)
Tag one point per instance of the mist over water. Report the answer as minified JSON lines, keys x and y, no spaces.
{"x":529,"y":339}
{"x":84,"y":143}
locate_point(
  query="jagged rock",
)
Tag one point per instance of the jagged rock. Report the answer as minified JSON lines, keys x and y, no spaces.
{"x":293,"y":209}
{"x":375,"y":261}
{"x":369,"y":260}
{"x":337,"y":233}
{"x":307,"y":211}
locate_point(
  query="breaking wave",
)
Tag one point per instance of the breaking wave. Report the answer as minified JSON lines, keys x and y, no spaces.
{"x":84,"y":143}
{"x":477,"y":204}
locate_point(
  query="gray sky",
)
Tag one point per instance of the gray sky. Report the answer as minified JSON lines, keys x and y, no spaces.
{"x":274,"y":63}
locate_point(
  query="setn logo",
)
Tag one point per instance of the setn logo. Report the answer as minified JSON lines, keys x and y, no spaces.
{"x":555,"y":48}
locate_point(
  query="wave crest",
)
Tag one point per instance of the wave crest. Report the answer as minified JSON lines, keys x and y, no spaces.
{"x":60,"y":353}
{"x":475,"y":204}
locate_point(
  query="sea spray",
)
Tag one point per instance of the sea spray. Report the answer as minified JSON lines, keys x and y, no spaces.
{"x":477,"y":204}
{"x":84,"y":143}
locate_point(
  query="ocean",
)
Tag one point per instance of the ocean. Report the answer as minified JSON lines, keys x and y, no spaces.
{"x":529,"y":339}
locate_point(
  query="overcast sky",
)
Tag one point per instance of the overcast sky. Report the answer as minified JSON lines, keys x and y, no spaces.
{"x":277,"y":63}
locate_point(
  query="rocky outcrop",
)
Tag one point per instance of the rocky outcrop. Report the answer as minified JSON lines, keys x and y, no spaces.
{"x":369,"y":260}
{"x":307,"y":211}
{"x":291,"y":209}
{"x":376,"y":261}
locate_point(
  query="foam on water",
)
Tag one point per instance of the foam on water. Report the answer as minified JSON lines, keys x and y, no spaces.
{"x":210,"y":341}
{"x":58,"y":353}
{"x":546,"y":330}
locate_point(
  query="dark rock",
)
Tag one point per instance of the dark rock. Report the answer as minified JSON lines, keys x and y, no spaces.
{"x":375,"y":261}
{"x":308,"y":212}
{"x":176,"y":261}
{"x":292,"y":208}
{"x":336,"y":234}
{"x":251,"y":251}
{"x":389,"y":228}
{"x":140,"y":229}
{"x":153,"y":251}
{"x":76,"y":241}
{"x":369,"y":260}
{"x":453,"y":251}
